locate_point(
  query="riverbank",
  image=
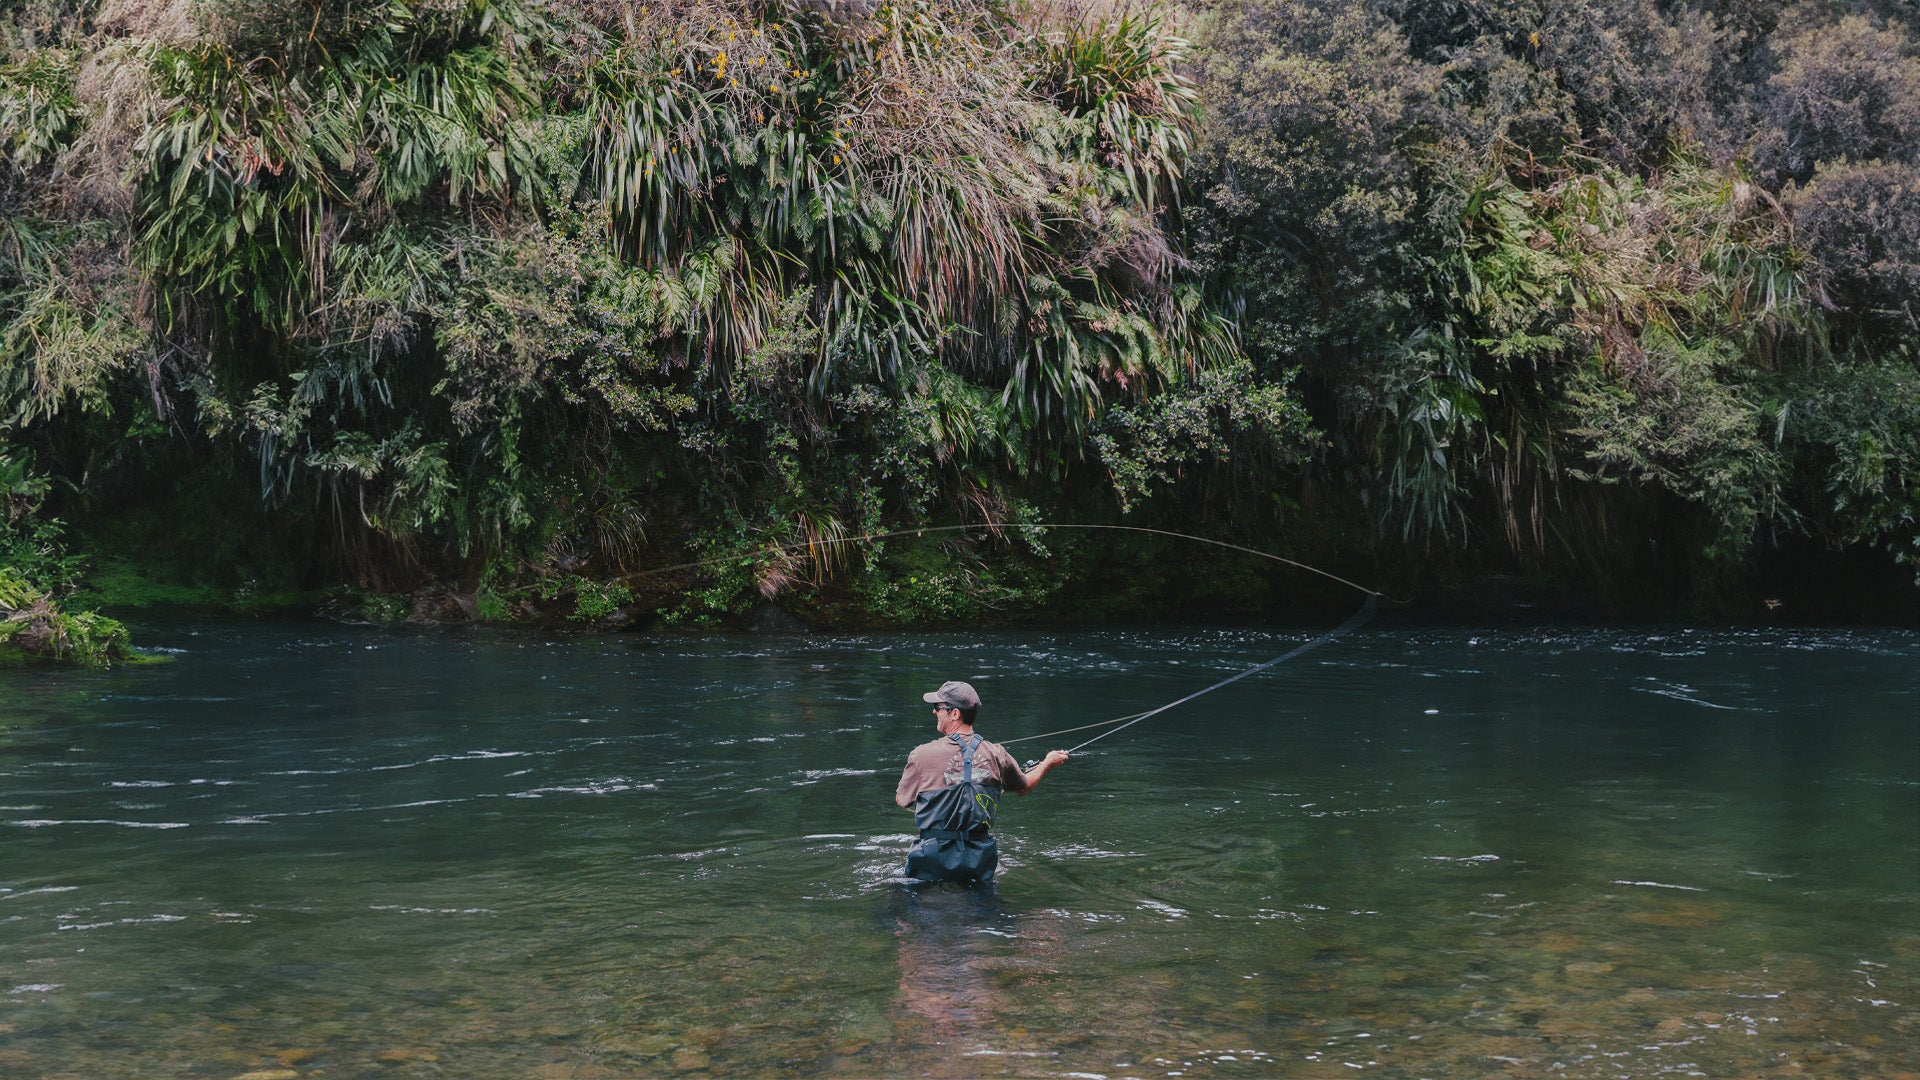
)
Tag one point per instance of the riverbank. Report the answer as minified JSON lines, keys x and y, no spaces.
{"x":35,"y":628}
{"x":923,"y":584}
{"x":638,"y":288}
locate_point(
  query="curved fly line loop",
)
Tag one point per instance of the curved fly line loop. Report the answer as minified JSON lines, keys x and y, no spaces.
{"x":816,"y":548}
{"x":819,"y":549}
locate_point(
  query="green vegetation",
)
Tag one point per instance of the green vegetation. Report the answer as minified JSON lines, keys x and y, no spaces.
{"x":33,"y":627}
{"x":1570,"y":283}
{"x":490,"y":308}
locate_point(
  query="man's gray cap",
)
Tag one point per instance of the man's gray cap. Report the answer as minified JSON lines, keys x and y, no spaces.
{"x":957,"y":694}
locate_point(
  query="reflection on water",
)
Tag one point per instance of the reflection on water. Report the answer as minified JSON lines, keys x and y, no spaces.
{"x":944,"y":979}
{"x":1587,"y":853}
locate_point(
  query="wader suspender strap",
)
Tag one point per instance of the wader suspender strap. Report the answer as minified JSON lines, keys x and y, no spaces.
{"x":966,"y":746}
{"x":966,"y":777}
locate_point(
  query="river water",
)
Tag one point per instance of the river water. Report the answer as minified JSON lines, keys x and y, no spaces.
{"x":312,"y":850}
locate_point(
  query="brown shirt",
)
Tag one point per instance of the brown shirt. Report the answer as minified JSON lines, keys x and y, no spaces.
{"x":937,"y":764}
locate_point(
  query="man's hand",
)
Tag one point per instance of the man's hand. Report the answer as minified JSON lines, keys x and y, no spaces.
{"x":1033,"y":775}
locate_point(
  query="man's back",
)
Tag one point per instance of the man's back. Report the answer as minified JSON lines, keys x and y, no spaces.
{"x":953,"y":787}
{"x":937,"y":764}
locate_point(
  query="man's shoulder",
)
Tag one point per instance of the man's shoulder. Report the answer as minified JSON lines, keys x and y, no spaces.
{"x":986,"y":749}
{"x":942,"y":748}
{"x":933,"y":748}
{"x":992,"y":749}
{"x":1004,"y":762}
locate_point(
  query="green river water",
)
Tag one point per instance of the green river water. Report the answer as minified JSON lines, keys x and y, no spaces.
{"x":310,"y":850}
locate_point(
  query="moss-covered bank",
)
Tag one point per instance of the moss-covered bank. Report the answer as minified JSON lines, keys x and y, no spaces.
{"x":35,"y":629}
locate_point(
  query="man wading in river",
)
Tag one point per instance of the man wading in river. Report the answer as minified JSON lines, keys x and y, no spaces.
{"x":953,"y":786}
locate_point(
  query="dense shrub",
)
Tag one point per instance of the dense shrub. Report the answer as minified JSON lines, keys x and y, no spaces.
{"x":517,"y":299}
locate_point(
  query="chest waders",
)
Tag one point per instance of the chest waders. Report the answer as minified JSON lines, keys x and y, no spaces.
{"x":956,"y":822}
